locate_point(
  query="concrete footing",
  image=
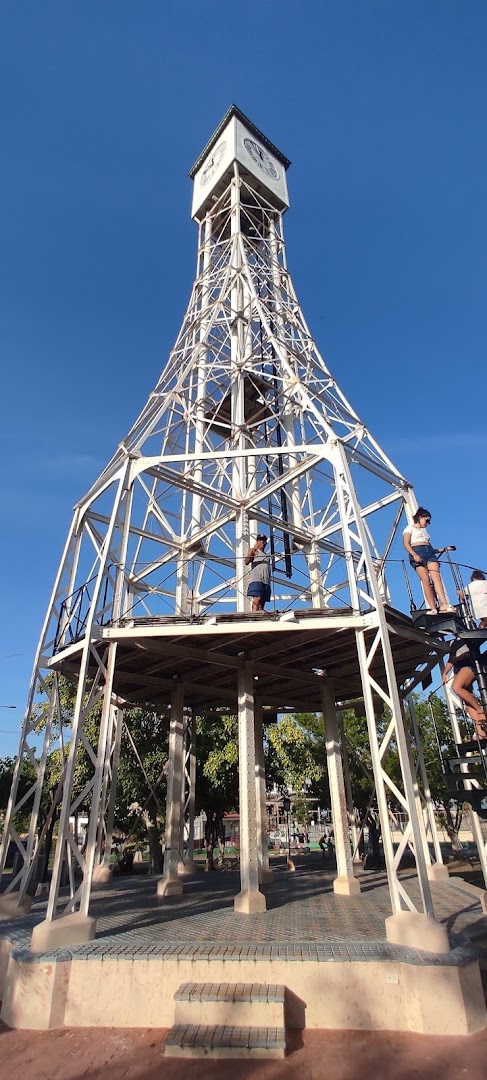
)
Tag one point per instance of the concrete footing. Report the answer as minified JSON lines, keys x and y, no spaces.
{"x":438,"y":872}
{"x":247,"y":903}
{"x":346,"y":886}
{"x":75,"y":929}
{"x":169,"y":887}
{"x":187,"y":867}
{"x":417,"y":931}
{"x":11,"y":905}
{"x":102,"y":875}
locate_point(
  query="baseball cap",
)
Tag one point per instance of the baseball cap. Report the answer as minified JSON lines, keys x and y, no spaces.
{"x":262,"y":536}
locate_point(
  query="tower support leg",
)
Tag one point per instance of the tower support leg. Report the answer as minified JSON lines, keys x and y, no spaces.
{"x":406,"y":923}
{"x":170,"y":884}
{"x":249,"y":899}
{"x":345,"y":884}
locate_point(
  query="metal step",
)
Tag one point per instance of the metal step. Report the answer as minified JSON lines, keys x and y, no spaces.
{"x":474,"y":746}
{"x":476,"y":760}
{"x":219,"y":1041}
{"x":456,"y":781}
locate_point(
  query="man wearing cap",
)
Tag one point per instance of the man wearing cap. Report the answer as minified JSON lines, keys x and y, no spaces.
{"x":259,"y":579}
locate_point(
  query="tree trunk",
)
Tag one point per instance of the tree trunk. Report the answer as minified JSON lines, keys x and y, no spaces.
{"x":451,"y":826}
{"x":155,"y":849}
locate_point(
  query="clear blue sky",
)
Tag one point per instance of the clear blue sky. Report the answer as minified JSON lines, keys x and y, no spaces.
{"x":381,"y":106}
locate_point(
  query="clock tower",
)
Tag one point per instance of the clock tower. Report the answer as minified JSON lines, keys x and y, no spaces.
{"x":238,"y":142}
{"x":247,"y":434}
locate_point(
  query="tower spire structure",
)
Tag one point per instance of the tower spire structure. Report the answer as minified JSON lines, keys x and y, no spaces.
{"x":247,"y":431}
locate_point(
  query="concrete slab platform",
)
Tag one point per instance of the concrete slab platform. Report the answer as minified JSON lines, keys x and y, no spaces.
{"x":330,"y":952}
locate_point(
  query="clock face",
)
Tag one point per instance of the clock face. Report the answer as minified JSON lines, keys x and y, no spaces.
{"x":261,"y":158}
{"x":212,"y":163}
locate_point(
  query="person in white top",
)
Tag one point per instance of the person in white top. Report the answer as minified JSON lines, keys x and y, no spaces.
{"x":424,"y":558}
{"x":476,"y":590}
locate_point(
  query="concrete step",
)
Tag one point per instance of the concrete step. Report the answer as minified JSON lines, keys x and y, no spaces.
{"x":234,"y":1004}
{"x":219,"y":1041}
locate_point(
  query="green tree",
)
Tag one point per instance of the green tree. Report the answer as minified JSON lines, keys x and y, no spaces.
{"x":27,"y":778}
{"x":141,"y":785}
{"x":437,"y":740}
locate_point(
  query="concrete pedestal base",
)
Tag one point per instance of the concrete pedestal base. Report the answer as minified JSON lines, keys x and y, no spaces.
{"x":417,"y":931}
{"x":483,"y":902}
{"x":102,"y":875}
{"x":265,"y":876}
{"x":438,"y":872}
{"x":75,"y":929}
{"x":169,"y":887}
{"x":248,"y":903}
{"x":346,"y":886}
{"x":11,"y":905}
{"x":187,"y":867}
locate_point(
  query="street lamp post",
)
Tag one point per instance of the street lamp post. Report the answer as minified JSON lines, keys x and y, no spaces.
{"x":286,"y":806}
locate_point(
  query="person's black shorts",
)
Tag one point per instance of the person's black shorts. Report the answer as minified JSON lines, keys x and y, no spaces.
{"x":258,"y":588}
{"x":463,"y":664}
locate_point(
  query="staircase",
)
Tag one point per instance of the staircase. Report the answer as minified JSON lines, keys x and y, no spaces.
{"x":224,"y":1020}
{"x":472,"y":761}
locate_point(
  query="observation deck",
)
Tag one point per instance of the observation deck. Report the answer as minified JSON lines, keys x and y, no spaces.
{"x":291,"y":652}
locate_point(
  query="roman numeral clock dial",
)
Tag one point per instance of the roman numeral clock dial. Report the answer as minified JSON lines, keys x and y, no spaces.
{"x":261,"y":158}
{"x":212,"y":163}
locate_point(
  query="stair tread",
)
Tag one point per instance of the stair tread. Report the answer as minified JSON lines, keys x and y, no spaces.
{"x":472,"y":746}
{"x":218,"y":1036}
{"x":230,"y":992}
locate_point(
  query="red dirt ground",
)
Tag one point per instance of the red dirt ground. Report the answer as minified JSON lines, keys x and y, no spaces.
{"x":115,"y":1054}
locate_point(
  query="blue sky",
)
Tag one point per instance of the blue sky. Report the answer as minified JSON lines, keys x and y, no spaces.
{"x":379,"y":104}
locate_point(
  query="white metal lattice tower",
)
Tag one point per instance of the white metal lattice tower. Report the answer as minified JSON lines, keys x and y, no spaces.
{"x":246,"y":431}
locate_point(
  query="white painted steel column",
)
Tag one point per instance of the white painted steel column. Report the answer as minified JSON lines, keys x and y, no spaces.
{"x":345,"y":884}
{"x":406,"y":925}
{"x":265,"y":873}
{"x":249,"y":899}
{"x":237,"y":396}
{"x":170,"y":884}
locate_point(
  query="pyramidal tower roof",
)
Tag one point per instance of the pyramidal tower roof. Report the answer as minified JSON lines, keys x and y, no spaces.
{"x":234,"y":111}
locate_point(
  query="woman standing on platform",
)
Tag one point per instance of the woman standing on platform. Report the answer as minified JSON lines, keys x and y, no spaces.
{"x":259,"y":579}
{"x":423,"y":557}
